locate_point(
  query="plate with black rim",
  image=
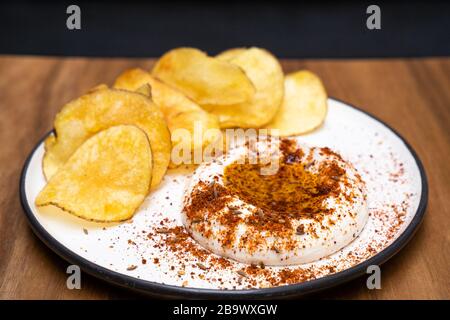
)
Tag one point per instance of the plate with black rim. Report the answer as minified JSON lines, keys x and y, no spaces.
{"x":125,"y":255}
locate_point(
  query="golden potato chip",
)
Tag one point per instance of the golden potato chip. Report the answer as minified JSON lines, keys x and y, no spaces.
{"x":170,"y":100}
{"x":304,"y":106}
{"x":230,"y":54}
{"x":106,"y":179}
{"x":98,"y":110}
{"x":101,"y":86}
{"x":145,"y":89}
{"x":180,"y":111}
{"x":265,"y":72}
{"x":204,"y":79}
{"x":192,"y":131}
{"x":49,"y":141}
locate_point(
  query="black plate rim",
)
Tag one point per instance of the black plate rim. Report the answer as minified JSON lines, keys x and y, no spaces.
{"x":154,"y":288}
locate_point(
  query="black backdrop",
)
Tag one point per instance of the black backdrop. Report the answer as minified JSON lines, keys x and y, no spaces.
{"x":300,"y":29}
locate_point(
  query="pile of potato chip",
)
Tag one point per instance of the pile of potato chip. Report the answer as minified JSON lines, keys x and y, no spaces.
{"x":112,"y":146}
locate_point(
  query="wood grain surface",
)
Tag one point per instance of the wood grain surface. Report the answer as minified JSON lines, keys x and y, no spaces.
{"x":411,"y":95}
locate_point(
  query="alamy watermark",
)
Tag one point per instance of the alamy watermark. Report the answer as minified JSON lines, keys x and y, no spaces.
{"x":373,"y":22}
{"x":200,"y":145}
{"x":74,"y":278}
{"x":73,"y":21}
{"x":374,"y":280}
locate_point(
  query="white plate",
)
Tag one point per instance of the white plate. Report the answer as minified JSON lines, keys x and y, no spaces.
{"x":397,"y":197}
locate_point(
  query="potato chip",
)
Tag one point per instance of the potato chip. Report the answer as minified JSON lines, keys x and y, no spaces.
{"x":145,"y":89}
{"x":265,"y":72}
{"x":304,"y":106}
{"x":230,"y":54}
{"x":180,"y":111}
{"x":170,"y":100}
{"x":106,"y":179}
{"x":98,"y":110}
{"x":194,"y":131}
{"x":204,"y":79}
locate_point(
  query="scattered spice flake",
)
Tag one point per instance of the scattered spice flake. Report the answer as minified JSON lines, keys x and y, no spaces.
{"x":132,"y":267}
{"x":85,"y":231}
{"x":178,"y":240}
{"x":242,"y":273}
{"x":201,"y":266}
{"x":162,"y":230}
{"x":288,"y":276}
{"x":274,"y":248}
{"x":300,"y":230}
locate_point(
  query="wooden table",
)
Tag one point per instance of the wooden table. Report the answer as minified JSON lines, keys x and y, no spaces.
{"x":412,"y":95}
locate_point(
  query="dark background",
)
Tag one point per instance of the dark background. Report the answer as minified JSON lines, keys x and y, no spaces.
{"x":290,"y":30}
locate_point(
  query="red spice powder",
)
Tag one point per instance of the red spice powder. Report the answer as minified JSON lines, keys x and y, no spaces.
{"x":293,"y":192}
